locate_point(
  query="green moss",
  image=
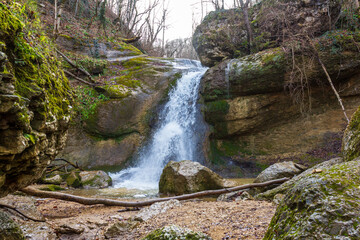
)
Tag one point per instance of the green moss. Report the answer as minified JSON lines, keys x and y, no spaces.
{"x":351,"y":141}
{"x":73,"y":180}
{"x":31,"y":56}
{"x":217,"y":107}
{"x":52,"y":188}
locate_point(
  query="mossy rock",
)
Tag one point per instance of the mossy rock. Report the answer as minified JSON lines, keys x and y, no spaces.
{"x":34,"y":97}
{"x":74,"y":180}
{"x":174,"y":232}
{"x":9,"y":230}
{"x":351,"y":140}
{"x":321,"y":205}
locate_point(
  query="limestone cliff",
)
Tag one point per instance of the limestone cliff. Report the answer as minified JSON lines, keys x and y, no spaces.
{"x":270,"y":100}
{"x":34,"y":99}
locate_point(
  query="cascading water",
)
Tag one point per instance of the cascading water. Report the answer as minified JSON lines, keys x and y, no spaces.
{"x":178,"y":136}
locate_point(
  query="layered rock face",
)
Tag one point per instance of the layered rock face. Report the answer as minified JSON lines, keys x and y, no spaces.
{"x":222,"y":35}
{"x":34,"y":103}
{"x":273,"y":101}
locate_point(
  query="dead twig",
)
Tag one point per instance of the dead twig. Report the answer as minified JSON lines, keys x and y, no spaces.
{"x":3,"y":205}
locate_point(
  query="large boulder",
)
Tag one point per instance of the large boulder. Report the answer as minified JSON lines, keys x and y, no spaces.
{"x":95,"y":179}
{"x":321,"y":205}
{"x":186,"y":176}
{"x":285,"y":187}
{"x":34,"y":102}
{"x":176,"y":232}
{"x":222,"y":34}
{"x":351,"y":141}
{"x":280,"y":170}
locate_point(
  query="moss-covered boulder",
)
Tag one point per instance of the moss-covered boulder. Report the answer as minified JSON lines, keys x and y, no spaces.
{"x":175,"y":232}
{"x":351,"y":141}
{"x":285,"y":187}
{"x":222,"y":34}
{"x":186,"y":176}
{"x":9,"y":230}
{"x":34,"y":98}
{"x":321,"y":205}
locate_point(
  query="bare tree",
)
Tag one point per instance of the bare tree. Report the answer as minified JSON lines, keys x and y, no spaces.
{"x":245,"y":8}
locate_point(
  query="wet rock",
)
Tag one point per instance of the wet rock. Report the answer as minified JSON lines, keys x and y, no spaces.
{"x":176,"y":232}
{"x":351,"y":140}
{"x":116,"y":230}
{"x":95,"y":179}
{"x":280,"y":170}
{"x":156,"y":208}
{"x":188,"y":177}
{"x":283,"y":188}
{"x":323,"y":205}
{"x":9,"y":230}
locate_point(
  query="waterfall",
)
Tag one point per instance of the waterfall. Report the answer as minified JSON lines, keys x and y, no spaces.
{"x":177,"y":137}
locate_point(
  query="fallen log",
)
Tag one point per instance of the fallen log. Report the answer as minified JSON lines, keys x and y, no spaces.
{"x":75,"y":66}
{"x":109,"y":202}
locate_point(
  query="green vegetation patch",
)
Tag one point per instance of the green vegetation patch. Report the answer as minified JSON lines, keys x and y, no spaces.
{"x":37,"y":71}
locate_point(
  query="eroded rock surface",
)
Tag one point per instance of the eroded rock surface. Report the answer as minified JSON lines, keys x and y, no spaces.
{"x":34,"y":104}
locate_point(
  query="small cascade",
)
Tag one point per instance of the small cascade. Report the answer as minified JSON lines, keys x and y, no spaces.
{"x":177,"y":137}
{"x":227,"y":78}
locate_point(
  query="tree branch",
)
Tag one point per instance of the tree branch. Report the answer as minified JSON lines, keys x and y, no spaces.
{"x":3,"y":205}
{"x":109,"y":202}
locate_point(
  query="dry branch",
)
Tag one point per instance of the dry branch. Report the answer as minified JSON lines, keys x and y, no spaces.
{"x":79,"y":79}
{"x":109,"y":202}
{"x":329,"y":79}
{"x":3,"y":205}
{"x":70,"y":163}
{"x":75,"y":66}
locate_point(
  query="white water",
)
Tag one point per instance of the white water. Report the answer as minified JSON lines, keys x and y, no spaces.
{"x":177,"y":136}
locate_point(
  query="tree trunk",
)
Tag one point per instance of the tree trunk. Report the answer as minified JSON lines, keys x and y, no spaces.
{"x":245,"y":8}
{"x":109,"y":202}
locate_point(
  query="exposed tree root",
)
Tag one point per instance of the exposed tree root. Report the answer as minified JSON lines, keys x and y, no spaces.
{"x":109,"y":202}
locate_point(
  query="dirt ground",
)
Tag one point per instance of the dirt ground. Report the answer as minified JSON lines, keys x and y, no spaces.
{"x":66,"y":220}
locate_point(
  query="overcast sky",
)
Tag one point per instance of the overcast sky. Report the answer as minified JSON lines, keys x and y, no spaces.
{"x":180,"y":17}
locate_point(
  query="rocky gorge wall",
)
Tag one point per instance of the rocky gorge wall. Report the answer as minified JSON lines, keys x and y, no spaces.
{"x":34,"y":99}
{"x":271,"y":101}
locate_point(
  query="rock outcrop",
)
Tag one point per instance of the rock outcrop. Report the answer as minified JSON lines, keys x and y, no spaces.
{"x":321,"y":205}
{"x":351,"y":141}
{"x":222,"y":34}
{"x":254,"y":103}
{"x":34,"y":101}
{"x":9,"y":229}
{"x":176,"y":232}
{"x":112,"y":132}
{"x":186,"y":176}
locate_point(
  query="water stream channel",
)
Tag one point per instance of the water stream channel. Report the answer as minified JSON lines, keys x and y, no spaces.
{"x":178,"y":135}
